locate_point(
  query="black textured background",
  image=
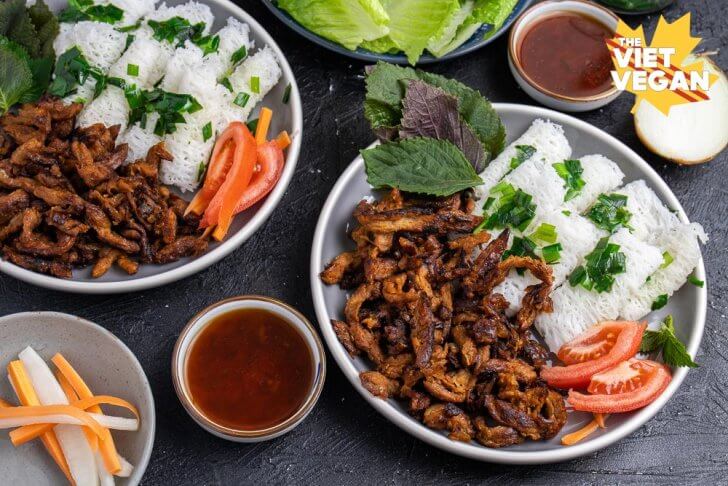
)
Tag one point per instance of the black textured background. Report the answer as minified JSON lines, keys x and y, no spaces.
{"x":344,"y":441}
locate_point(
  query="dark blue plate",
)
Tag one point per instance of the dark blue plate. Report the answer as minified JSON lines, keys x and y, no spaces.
{"x":475,"y":42}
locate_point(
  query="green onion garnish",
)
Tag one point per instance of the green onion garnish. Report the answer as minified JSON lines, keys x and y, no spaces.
{"x":207,"y":131}
{"x":132,"y":70}
{"x":287,"y":94}
{"x":545,"y":233}
{"x":570,"y":171}
{"x":566,"y":212}
{"x":696,"y":281}
{"x":602,"y":264}
{"x":660,"y":302}
{"x":610,"y":212}
{"x":523,"y":153}
{"x":241,"y":99}
{"x":239,"y":55}
{"x":513,"y":208}
{"x":521,"y":247}
{"x":552,"y":253}
{"x":667,"y":259}
{"x":226,"y":82}
{"x":252,"y":125}
{"x":255,"y":84}
{"x":200,"y":171}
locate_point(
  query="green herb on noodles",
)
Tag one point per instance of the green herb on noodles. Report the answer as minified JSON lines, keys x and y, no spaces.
{"x":132,"y":70}
{"x":610,"y":213}
{"x":545,"y":233}
{"x":129,"y":28}
{"x":71,"y":71}
{"x":602,"y":264}
{"x":255,"y":84}
{"x":239,"y":56}
{"x":241,"y":99}
{"x":552,"y":253}
{"x":521,"y":247}
{"x":667,"y":259}
{"x":79,"y":10}
{"x":207,"y":131}
{"x":659,"y":302}
{"x":226,"y":82}
{"x":696,"y":281}
{"x":201,"y":171}
{"x":512,"y":208}
{"x":287,"y":94}
{"x":176,"y":30}
{"x":209,"y":44}
{"x":674,"y":352}
{"x":523,"y":153}
{"x":570,"y":171}
{"x":252,"y":125}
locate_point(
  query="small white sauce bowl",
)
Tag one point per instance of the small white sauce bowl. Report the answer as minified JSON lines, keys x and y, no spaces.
{"x":544,"y":96}
{"x":205,"y":317}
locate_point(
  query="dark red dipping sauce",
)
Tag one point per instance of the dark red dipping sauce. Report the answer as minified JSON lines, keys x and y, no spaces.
{"x":249,"y":369}
{"x":565,"y":53}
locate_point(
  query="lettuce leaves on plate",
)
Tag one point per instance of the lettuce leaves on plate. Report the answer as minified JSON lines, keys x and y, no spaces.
{"x":392,"y":26}
{"x":348,"y":22}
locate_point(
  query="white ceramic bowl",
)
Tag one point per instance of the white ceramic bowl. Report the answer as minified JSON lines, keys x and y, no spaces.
{"x":107,"y":366}
{"x":688,"y":305}
{"x":287,"y":117}
{"x":205,"y":317}
{"x":542,"y":95}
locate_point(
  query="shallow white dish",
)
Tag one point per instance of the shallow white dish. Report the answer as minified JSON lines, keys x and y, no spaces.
{"x":287,"y":117}
{"x":104,"y":362}
{"x":688,"y":305}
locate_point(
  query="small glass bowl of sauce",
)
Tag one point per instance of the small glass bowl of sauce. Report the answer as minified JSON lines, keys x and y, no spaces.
{"x":557,"y":53}
{"x":249,"y":368}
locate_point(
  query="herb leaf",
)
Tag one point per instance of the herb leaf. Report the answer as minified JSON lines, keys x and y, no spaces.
{"x":239,"y":55}
{"x":674,"y":352}
{"x":602,"y":264}
{"x":16,"y":77}
{"x":79,"y":10}
{"x":610,"y":213}
{"x":72,"y":70}
{"x":421,"y":165}
{"x":431,"y":112}
{"x":570,"y":171}
{"x":209,"y":44}
{"x":176,"y":30}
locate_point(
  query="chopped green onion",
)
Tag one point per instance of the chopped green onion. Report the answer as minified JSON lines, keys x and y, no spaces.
{"x":610,"y":212}
{"x":602,"y":264}
{"x":521,"y":247}
{"x":552,"y":253}
{"x":570,"y":171}
{"x":200,"y":171}
{"x":523,"y":153}
{"x":287,"y":94}
{"x":129,"y":28}
{"x":252,"y":125}
{"x":545,"y":233}
{"x":255,"y":84}
{"x":696,"y":281}
{"x":241,"y":99}
{"x":239,"y":55}
{"x":566,"y":212}
{"x":132,"y":70}
{"x":207,"y":131}
{"x":129,"y":39}
{"x":488,"y":203}
{"x":226,"y":82}
{"x":513,"y":208}
{"x":667,"y":259}
{"x":209,"y":44}
{"x":660,"y":302}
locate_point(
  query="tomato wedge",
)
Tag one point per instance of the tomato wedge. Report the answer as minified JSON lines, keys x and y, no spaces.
{"x":270,"y":160}
{"x":219,"y":166}
{"x":579,"y":375}
{"x":592,"y":344}
{"x":221,"y":208}
{"x":651,"y":380}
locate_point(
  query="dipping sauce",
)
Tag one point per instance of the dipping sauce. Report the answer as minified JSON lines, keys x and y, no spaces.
{"x":249,"y":369}
{"x":565,"y":53}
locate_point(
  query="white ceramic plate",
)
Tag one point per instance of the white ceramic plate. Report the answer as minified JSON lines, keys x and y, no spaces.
{"x":688,"y":305}
{"x":287,"y":117}
{"x":106,"y":365}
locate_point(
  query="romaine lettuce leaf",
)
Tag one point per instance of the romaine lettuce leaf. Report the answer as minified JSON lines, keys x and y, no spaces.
{"x":412,"y":23}
{"x":348,"y":22}
{"x":438,"y":46}
{"x":493,"y":12}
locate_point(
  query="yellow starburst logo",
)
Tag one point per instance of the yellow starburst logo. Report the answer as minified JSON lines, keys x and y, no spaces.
{"x":660,"y":72}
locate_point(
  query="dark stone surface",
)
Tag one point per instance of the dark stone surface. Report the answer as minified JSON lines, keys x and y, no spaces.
{"x":344,"y":441}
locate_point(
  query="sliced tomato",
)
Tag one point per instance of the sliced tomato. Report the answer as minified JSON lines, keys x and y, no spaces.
{"x":270,"y":160}
{"x":218,"y":168}
{"x":647,"y":379}
{"x":592,"y":344}
{"x":579,"y":375}
{"x":627,"y":376}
